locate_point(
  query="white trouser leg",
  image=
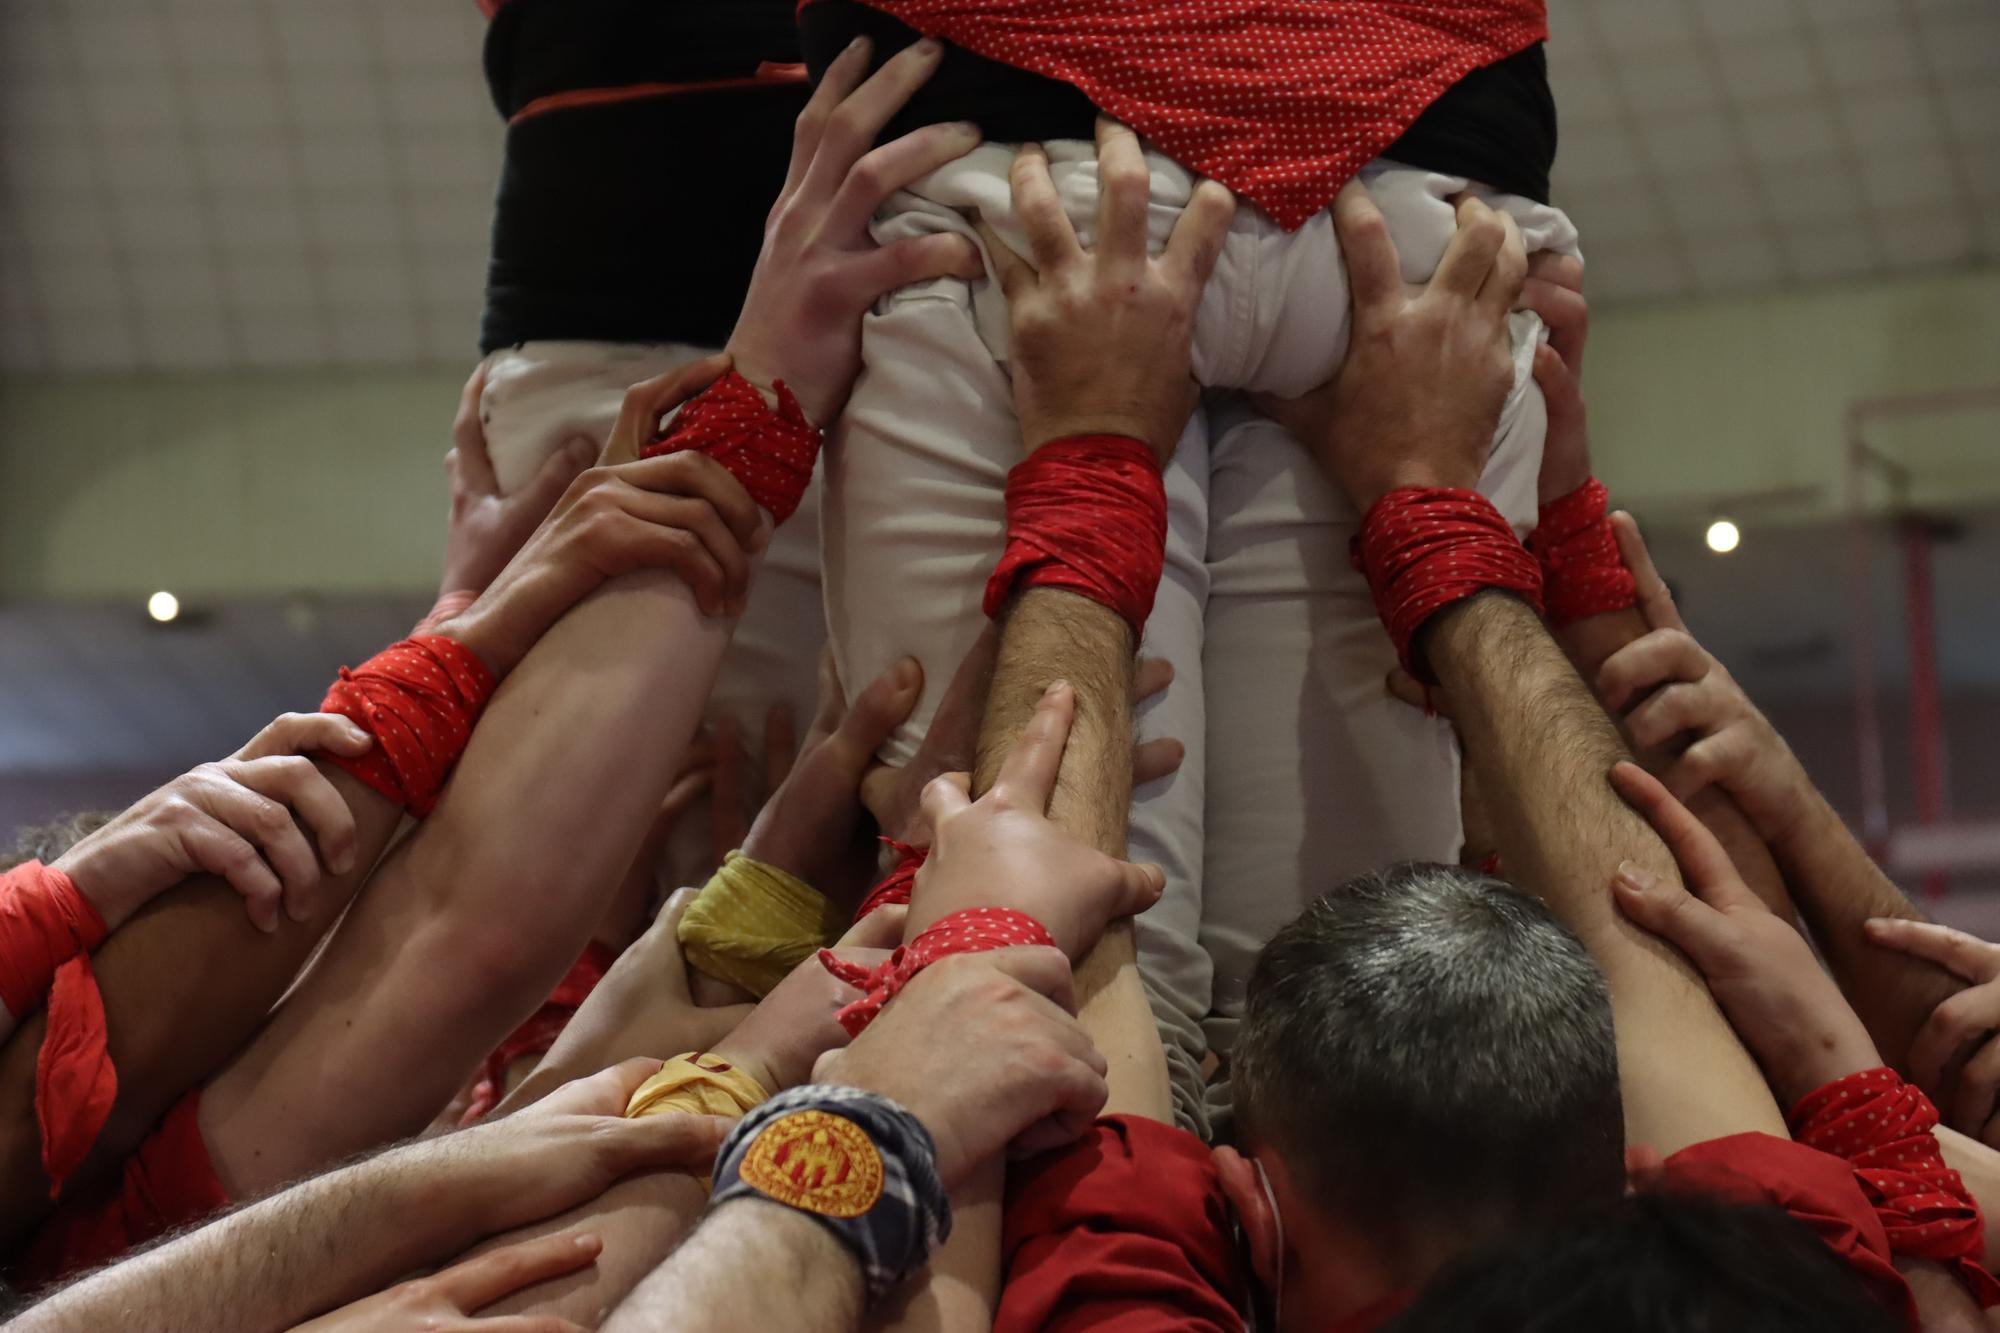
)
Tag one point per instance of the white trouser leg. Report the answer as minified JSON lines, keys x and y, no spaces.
{"x":914,"y":522}
{"x":542,"y":394}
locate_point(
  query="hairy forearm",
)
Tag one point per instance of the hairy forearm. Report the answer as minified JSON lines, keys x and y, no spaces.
{"x":1544,"y":750}
{"x":1049,"y":635}
{"x":1838,"y":886}
{"x":750,"y":1266}
{"x":185,"y":983}
{"x":315,"y":1247}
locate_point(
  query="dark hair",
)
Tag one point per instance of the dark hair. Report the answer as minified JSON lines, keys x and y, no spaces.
{"x":46,"y":842}
{"x":1671,"y":1263}
{"x":1429,"y":1048}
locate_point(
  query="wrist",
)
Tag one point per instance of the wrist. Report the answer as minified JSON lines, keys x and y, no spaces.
{"x":1410,"y":474}
{"x":481,"y":630}
{"x":749,"y":1062}
{"x":97,"y":885}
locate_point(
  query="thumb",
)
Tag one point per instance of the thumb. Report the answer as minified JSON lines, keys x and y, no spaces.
{"x":1140,"y":884}
{"x":917,"y":259}
{"x":1668,"y":910}
{"x":1415,"y":693}
{"x":557,"y":471}
{"x":877,"y":712}
{"x":944,"y":796}
{"x":681,"y":1140}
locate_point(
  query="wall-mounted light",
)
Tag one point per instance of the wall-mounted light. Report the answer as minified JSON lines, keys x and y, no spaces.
{"x":163,"y":607}
{"x":1723,"y":536}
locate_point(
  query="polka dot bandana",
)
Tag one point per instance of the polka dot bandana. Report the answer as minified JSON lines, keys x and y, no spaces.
{"x":1088,"y":515}
{"x":1281,"y":100}
{"x":1881,"y":1126}
{"x":1583,"y":574}
{"x":770,"y":452}
{"x":975,"y":930}
{"x":1426,"y":548}
{"x":418,"y":699}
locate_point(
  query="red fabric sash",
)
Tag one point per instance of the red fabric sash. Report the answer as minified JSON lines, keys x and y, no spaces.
{"x":1281,"y":100}
{"x":975,"y":930}
{"x":1582,"y":572}
{"x":1089,"y":515}
{"x":44,"y":922}
{"x":1882,"y":1127}
{"x":1424,"y":548}
{"x":770,"y":452}
{"x":169,"y":1181}
{"x":419,"y":700}
{"x":896,"y":885}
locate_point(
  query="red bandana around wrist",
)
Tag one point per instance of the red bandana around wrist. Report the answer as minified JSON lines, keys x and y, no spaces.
{"x":47,"y":930}
{"x":974,"y":930}
{"x":896,"y":885}
{"x":1882,"y":1127}
{"x":1088,"y":515}
{"x":418,"y":699}
{"x":1583,"y":573}
{"x":770,"y":451}
{"x":1424,"y":548}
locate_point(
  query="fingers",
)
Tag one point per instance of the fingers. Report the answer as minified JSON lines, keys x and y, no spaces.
{"x":1473,"y":250}
{"x":696,"y":476}
{"x":1651,"y":660}
{"x":1156,"y":759}
{"x":1013,"y":273}
{"x":470,"y":468}
{"x":728,"y":824}
{"x":1962,"y":1022}
{"x":1028,"y":775}
{"x":1140,"y":885}
{"x":1678,"y":708}
{"x":1967,"y":956}
{"x":481,"y":1281}
{"x":842,"y":77}
{"x":303,"y":733}
{"x":682,"y":535}
{"x":1152,"y":677}
{"x":1565,"y":313}
{"x":1656,"y":600}
{"x":556,"y":473}
{"x":1972,"y":1101}
{"x":944,"y":796}
{"x":213,"y":847}
{"x":854,"y":125}
{"x":1704,"y":865}
{"x":1668,"y":910}
{"x":1413,"y":692}
{"x":679,"y":1141}
{"x":781,"y":744}
{"x":1556,"y":268}
{"x":1374,"y":273}
{"x":914,"y":259}
{"x":298,"y":783}
{"x":889,"y":168}
{"x":1051,"y":240}
{"x":1502,"y":288}
{"x":1124,"y":189}
{"x":1196,"y":242}
{"x":646,"y":402}
{"x":1041,"y":969}
{"x":877,"y":711}
{"x":239,"y":800}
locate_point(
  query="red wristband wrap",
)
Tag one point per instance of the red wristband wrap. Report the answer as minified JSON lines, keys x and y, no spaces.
{"x":1424,"y":548}
{"x":418,"y":699}
{"x":44,"y":922}
{"x":770,"y":452}
{"x":1583,"y":573}
{"x":1882,"y":1127}
{"x":1088,"y":515}
{"x":975,"y":930}
{"x":896,"y":885}
{"x":47,"y":930}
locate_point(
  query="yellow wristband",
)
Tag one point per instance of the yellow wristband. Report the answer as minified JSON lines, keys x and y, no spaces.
{"x":752,"y":924}
{"x":699,"y":1084}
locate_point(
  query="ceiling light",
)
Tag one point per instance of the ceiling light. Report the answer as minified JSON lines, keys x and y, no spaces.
{"x":1723,"y":536}
{"x":163,"y":606}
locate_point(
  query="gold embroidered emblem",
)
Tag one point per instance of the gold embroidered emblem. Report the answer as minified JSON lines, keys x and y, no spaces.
{"x":819,"y":1162}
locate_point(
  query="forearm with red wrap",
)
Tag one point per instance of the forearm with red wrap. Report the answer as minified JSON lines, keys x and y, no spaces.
{"x":1583,"y":573}
{"x":419,"y":699}
{"x":1424,"y":548}
{"x":770,"y":450}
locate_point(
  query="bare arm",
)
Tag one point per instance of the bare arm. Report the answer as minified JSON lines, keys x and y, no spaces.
{"x":751,"y":1266}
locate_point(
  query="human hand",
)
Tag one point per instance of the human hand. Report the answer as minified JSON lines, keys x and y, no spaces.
{"x":794,"y":1025}
{"x":1101,"y":337}
{"x":1004,"y":851}
{"x":569,"y":1147}
{"x":982,"y":1049}
{"x":1762,"y":972}
{"x":1554,"y":291}
{"x":812,"y":826}
{"x":895,"y":795}
{"x":1674,"y":698}
{"x":485,"y":527}
{"x":1417,"y":398}
{"x":447,"y":1301}
{"x":235,"y":819}
{"x":819,"y":270}
{"x":683,"y":512}
{"x":1955,"y":1056}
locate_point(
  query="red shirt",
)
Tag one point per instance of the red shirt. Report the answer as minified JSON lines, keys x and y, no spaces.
{"x":1281,"y":100}
{"x":1128,"y":1229}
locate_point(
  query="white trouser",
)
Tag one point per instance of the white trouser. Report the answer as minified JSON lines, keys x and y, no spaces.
{"x":540,"y":395}
{"x":914,"y":521}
